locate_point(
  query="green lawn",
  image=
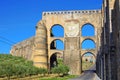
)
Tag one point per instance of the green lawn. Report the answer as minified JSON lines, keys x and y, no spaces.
{"x":59,"y":78}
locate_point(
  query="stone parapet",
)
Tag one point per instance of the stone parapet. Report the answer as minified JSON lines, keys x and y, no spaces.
{"x":71,"y":12}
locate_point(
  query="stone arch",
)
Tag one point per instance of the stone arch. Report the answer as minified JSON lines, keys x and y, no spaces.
{"x":57,"y":30}
{"x":87,"y":29}
{"x":88,"y":44}
{"x":54,"y":59}
{"x":57,"y":44}
{"x":88,"y":60}
{"x":88,"y":52}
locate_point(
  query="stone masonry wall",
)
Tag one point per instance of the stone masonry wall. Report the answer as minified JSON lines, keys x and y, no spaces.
{"x":24,"y":49}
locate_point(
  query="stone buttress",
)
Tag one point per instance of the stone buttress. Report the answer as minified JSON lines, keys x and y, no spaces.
{"x":40,"y":54}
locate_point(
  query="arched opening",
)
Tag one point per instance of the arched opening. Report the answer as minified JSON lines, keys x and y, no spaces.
{"x":88,"y":44}
{"x":57,"y":44}
{"x":88,"y":60}
{"x":56,"y":59}
{"x":53,"y":60}
{"x":88,"y":30}
{"x":57,"y":31}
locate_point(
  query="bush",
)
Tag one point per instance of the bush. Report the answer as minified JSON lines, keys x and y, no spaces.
{"x":42,"y":71}
{"x":17,"y":66}
{"x":2,"y":72}
{"x":61,"y":69}
{"x":8,"y":69}
{"x":20,"y":70}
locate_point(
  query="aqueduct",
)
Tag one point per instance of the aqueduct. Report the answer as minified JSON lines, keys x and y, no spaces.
{"x":72,"y":22}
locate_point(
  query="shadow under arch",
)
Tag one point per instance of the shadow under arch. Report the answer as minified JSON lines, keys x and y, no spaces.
{"x":57,"y":44}
{"x":88,"y":44}
{"x":57,"y":30}
{"x":87,"y":29}
{"x":54,"y":59}
{"x":88,"y":60}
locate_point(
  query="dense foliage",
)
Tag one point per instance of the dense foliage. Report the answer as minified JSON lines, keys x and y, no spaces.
{"x":13,"y":66}
{"x":61,"y":68}
{"x":17,"y":66}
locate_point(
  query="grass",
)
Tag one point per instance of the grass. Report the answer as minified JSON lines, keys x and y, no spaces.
{"x":59,"y":78}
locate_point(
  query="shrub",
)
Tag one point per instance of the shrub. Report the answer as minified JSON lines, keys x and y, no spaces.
{"x":61,"y":69}
{"x":7,"y":69}
{"x":42,"y":71}
{"x":17,"y":66}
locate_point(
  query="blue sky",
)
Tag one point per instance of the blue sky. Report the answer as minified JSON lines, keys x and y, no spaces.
{"x":18,"y":18}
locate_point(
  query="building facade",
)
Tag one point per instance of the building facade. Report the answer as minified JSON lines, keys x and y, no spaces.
{"x":108,"y":60}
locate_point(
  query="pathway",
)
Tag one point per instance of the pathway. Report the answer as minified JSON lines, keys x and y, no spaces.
{"x":88,"y":75}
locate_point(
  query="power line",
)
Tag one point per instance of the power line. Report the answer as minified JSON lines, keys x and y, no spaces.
{"x":6,"y":42}
{"x":12,"y":42}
